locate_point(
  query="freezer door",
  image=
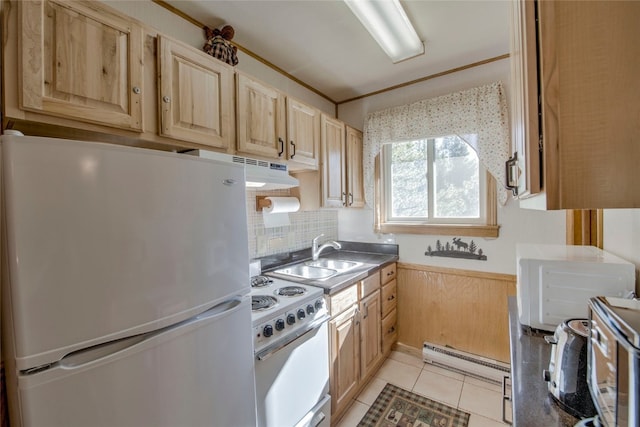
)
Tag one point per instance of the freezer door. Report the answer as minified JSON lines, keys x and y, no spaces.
{"x":197,"y":374}
{"x":107,"y":241}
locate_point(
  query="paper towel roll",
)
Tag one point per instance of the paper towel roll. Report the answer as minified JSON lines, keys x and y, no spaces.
{"x":282,"y":205}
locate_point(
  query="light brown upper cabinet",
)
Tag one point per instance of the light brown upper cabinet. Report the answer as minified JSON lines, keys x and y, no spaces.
{"x":195,"y":95}
{"x":82,"y":61}
{"x":303,"y":135}
{"x":261,"y":118}
{"x":576,"y":91}
{"x":355,"y":179}
{"x":333,"y":147}
{"x":274,"y":126}
{"x":342,"y":179}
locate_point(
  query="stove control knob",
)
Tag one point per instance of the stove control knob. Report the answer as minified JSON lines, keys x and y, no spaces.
{"x":301,"y":314}
{"x":291,"y":319}
{"x":279,"y":325}
{"x":267,"y":331}
{"x":310,"y":309}
{"x":318,"y":304}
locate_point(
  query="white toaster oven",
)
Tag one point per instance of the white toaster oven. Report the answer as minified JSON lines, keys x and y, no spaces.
{"x":555,"y":282}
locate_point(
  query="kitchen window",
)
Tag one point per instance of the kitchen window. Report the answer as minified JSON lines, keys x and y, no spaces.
{"x":433,"y":166}
{"x":435,"y":186}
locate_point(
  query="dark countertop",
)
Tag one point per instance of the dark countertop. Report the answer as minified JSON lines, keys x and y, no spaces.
{"x":372,"y":256}
{"x":533,"y":406}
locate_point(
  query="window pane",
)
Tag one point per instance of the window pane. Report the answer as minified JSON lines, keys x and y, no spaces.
{"x":456,"y":175}
{"x":408,"y":172}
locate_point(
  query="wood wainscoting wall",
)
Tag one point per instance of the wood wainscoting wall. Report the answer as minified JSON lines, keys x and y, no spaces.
{"x":465,"y":310}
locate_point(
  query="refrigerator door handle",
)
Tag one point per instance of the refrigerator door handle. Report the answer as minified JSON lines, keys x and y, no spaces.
{"x":91,"y":354}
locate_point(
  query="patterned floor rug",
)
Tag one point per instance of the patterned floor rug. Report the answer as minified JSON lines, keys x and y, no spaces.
{"x":396,"y":407}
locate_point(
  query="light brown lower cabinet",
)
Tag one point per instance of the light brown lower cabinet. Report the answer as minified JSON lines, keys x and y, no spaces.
{"x":344,"y":336}
{"x":370,"y":339}
{"x":356,"y":338}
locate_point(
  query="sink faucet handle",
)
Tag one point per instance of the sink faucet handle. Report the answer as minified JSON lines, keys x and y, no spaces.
{"x":315,"y":239}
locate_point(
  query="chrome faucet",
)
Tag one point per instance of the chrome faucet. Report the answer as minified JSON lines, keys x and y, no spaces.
{"x":315,"y":250}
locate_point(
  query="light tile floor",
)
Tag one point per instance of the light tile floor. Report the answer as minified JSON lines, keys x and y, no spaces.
{"x":481,"y":399}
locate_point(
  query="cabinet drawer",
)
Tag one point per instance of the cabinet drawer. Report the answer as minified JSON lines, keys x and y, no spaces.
{"x":389,"y":331}
{"x":343,"y":300}
{"x":388,"y":273}
{"x":369,"y":284}
{"x":389,"y":297}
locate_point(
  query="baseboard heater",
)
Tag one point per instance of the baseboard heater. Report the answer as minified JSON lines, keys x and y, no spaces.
{"x":465,"y":363}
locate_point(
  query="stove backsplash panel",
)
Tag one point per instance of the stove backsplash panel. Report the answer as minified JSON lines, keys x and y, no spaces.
{"x":305,"y":225}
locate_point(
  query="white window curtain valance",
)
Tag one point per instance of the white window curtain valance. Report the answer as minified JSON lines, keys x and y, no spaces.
{"x":478,"y":115}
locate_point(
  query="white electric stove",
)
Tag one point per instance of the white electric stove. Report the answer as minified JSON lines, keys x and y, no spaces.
{"x":291,"y":346}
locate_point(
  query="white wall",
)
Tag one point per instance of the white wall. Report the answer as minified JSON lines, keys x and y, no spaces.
{"x":622,"y":236}
{"x":516,"y":225}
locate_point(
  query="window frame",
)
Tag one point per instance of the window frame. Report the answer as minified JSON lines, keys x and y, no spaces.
{"x":383,"y":224}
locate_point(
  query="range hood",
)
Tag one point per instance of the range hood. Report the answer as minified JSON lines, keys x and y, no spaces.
{"x":259,"y":174}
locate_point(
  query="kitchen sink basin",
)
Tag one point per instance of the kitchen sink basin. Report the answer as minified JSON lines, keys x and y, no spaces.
{"x":307,"y":272}
{"x":318,"y":270}
{"x":334,"y":264}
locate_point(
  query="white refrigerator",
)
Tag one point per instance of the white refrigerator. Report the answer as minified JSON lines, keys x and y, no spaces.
{"x":125,"y":287}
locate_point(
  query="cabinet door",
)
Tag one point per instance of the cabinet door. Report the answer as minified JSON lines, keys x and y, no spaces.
{"x":524,"y":76}
{"x":588,"y":88}
{"x":196,"y":95}
{"x":333,"y":162}
{"x":355,"y":179}
{"x":590,"y":91}
{"x":370,"y":333}
{"x":261,"y":119}
{"x":80,"y":61}
{"x":344,"y":333}
{"x":303,"y":134}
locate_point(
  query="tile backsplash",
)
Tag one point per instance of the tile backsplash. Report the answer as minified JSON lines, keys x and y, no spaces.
{"x":305,"y":225}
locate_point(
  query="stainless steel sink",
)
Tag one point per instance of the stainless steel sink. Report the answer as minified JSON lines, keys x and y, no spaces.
{"x":318,"y":270}
{"x":334,"y":264}
{"x":307,"y":272}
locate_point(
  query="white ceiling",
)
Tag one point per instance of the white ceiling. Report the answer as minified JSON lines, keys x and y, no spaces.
{"x":321,"y":43}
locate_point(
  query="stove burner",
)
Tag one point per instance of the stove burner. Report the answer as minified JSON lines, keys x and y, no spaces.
{"x":260,"y":281}
{"x":291,"y":291}
{"x":262,"y":302}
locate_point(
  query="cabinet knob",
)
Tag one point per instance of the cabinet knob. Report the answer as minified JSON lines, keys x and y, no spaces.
{"x":166,"y":99}
{"x":137,"y":90}
{"x":391,"y":298}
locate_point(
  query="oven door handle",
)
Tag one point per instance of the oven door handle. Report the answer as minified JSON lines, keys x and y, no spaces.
{"x":269,"y":351}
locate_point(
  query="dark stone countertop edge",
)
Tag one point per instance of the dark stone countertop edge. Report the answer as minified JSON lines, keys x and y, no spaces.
{"x":373,"y":256}
{"x":532,"y":404}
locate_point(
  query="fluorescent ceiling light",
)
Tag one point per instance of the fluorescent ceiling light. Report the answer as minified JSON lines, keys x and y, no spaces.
{"x":388,"y":24}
